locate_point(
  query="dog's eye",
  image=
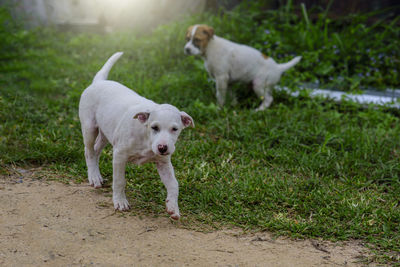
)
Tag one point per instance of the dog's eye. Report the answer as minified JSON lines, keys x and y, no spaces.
{"x":174,"y":129}
{"x":155,"y":128}
{"x":187,"y":38}
{"x":196,"y":40}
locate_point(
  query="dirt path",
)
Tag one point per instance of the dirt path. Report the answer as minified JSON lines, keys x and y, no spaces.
{"x":46,"y":223}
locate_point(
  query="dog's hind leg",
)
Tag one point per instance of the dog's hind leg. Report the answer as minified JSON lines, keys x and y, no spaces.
{"x":90,"y":136}
{"x":263,"y":91}
{"x":100,"y":143}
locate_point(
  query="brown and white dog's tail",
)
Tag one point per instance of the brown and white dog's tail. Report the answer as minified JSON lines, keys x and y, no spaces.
{"x":102,"y":74}
{"x":285,"y":66}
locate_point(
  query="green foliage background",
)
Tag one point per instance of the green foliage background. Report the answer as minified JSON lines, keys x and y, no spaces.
{"x":305,"y":167}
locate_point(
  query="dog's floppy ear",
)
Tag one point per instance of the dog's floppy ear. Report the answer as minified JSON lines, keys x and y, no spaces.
{"x":142,"y":116}
{"x":186,"y":120}
{"x":209,"y":31}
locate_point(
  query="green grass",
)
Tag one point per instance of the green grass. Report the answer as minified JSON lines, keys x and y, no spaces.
{"x":304,"y":168}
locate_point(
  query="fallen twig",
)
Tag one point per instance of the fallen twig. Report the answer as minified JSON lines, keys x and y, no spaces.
{"x":318,"y":246}
{"x":148,"y":229}
{"x":220,"y":250}
{"x":109,"y":215}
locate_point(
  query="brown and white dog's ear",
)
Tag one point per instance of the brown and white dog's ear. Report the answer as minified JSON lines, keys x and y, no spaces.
{"x":186,"y":120}
{"x":142,"y":116}
{"x":209,"y":31}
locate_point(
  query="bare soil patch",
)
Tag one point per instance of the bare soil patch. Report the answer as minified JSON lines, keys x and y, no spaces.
{"x":47,"y":223}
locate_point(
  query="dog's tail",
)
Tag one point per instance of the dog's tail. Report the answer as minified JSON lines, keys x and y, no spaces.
{"x":102,"y":74}
{"x":285,"y":66}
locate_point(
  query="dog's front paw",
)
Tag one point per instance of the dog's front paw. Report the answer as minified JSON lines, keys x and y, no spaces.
{"x":96,"y":180}
{"x":172,"y":209}
{"x":121,"y":204}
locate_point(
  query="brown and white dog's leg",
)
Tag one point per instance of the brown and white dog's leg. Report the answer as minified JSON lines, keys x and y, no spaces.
{"x":222,"y":87}
{"x":266,"y":102}
{"x":264,"y":92}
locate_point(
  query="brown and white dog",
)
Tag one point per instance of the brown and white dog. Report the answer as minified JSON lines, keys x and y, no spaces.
{"x":227,"y":61}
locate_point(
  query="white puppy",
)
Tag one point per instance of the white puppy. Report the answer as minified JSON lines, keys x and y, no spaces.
{"x":227,"y":61}
{"x":138,"y":129}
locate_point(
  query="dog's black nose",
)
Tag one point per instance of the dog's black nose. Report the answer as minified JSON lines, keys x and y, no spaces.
{"x":187,"y":50}
{"x":162,"y":148}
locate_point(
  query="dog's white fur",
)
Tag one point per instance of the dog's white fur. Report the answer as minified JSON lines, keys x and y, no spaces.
{"x":138,"y":129}
{"x":227,"y":61}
